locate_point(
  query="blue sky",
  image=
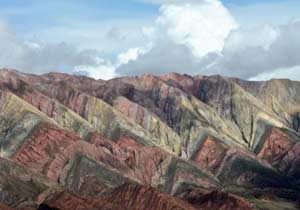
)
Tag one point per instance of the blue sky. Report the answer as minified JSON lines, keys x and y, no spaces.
{"x":35,"y":11}
{"x":40,"y":14}
{"x":34,"y":15}
{"x":107,"y":35}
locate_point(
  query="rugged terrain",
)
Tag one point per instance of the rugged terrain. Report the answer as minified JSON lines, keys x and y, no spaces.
{"x":170,"y":142}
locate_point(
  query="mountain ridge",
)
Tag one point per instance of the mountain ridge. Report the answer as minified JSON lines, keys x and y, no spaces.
{"x":186,"y":142}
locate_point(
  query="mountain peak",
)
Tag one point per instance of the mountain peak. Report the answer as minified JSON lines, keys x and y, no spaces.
{"x":171,"y":141}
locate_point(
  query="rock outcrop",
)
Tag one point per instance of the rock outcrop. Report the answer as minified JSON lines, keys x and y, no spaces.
{"x":150,"y":142}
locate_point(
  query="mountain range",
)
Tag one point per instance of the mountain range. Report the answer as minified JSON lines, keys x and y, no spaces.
{"x":168,"y":142}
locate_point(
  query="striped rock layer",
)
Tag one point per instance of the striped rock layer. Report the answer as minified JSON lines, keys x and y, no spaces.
{"x":148,"y":143}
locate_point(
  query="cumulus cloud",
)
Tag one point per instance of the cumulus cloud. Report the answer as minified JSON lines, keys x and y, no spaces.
{"x":259,"y":52}
{"x":39,"y":58}
{"x":105,"y":69}
{"x":184,"y":32}
{"x":200,"y":25}
{"x":292,"y":73}
{"x":163,"y":58}
{"x":102,"y":70}
{"x":131,"y":55}
{"x":203,"y":38}
{"x":188,"y":36}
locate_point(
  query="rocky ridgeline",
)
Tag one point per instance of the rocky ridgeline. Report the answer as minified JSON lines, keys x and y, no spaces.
{"x":148,"y":143}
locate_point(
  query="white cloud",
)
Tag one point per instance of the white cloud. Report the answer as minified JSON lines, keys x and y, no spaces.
{"x":185,"y":45}
{"x":184,"y":32}
{"x":105,"y":69}
{"x":102,"y":70}
{"x":163,"y":58}
{"x":262,"y":36}
{"x":34,"y":57}
{"x":131,"y":55}
{"x":111,"y":36}
{"x":276,"y":48}
{"x":292,"y":73}
{"x":201,"y":25}
{"x":188,"y":36}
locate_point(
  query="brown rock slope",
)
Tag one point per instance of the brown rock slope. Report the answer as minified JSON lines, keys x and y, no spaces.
{"x":148,"y":142}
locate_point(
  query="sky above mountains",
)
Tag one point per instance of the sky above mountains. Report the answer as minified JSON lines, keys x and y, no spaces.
{"x":253,"y":40}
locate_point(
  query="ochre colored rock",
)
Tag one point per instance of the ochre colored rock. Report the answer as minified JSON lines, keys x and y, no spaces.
{"x":137,"y":197}
{"x":145,"y":161}
{"x":142,"y":162}
{"x":276,"y":145}
{"x":220,"y":201}
{"x":45,"y":145}
{"x":211,"y":154}
{"x":150,"y":122}
{"x":72,"y":142}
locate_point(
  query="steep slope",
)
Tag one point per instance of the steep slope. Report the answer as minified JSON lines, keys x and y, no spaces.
{"x":15,"y":82}
{"x":150,"y":122}
{"x":137,"y":197}
{"x":63,"y":157}
{"x":17,"y":119}
{"x":149,"y":142}
{"x":235,"y":103}
{"x":268,"y":106}
{"x":22,"y":189}
{"x":264,"y":112}
{"x":100,"y":164}
{"x":182,"y":112}
{"x":160,"y":100}
{"x":99,"y":116}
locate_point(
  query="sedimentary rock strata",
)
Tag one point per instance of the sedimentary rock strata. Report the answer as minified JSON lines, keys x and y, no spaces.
{"x":149,"y":142}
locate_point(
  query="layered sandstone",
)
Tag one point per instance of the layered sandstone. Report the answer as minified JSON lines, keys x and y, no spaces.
{"x":149,"y":142}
